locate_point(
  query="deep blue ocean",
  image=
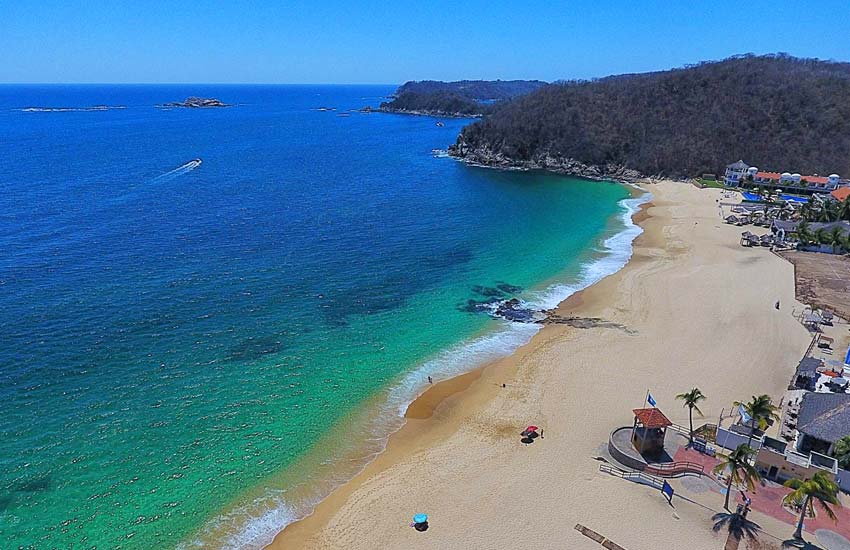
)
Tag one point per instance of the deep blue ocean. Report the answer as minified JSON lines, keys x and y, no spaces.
{"x":192,"y":354}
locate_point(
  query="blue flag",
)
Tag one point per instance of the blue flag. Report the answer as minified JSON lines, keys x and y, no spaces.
{"x":650,"y":399}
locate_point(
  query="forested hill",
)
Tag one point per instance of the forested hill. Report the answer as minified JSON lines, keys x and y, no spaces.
{"x":461,"y":98}
{"x":776,"y":112}
{"x":479,"y":90}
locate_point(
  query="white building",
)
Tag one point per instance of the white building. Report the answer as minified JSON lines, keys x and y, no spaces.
{"x":739,"y":174}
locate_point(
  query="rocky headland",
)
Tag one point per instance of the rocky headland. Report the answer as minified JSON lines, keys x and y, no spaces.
{"x":484,"y":155}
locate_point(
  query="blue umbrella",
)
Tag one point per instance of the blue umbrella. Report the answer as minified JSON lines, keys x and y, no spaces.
{"x":420,"y":518}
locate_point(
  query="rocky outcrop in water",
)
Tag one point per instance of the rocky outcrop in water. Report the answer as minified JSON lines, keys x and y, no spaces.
{"x":483,"y":155}
{"x":197,"y":102}
{"x":499,"y":302}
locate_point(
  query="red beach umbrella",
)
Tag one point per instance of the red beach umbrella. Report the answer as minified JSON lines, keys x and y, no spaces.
{"x":531,"y":429}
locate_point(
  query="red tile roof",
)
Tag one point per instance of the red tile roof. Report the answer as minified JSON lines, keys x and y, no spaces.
{"x":777,"y":175}
{"x":841,"y":194}
{"x":652,"y":418}
{"x":768,"y":175}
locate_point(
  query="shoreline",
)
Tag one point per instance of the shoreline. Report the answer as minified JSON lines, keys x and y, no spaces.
{"x":672,"y":325}
{"x":249,"y":521}
{"x":447,"y":398}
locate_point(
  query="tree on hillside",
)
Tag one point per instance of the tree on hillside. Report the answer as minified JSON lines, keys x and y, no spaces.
{"x":788,"y":114}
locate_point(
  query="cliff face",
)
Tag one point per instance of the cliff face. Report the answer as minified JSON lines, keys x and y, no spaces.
{"x":484,"y":155}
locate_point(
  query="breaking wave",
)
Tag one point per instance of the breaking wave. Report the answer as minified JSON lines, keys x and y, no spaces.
{"x":248,"y":529}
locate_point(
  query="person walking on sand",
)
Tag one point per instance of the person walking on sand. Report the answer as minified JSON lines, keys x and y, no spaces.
{"x":776,"y":305}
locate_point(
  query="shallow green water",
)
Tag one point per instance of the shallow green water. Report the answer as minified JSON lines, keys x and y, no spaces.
{"x":173,"y":345}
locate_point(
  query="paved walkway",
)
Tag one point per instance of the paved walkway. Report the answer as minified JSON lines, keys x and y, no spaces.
{"x":767,"y":499}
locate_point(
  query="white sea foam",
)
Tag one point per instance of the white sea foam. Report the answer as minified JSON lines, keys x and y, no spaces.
{"x":70,"y":109}
{"x":254,"y":530}
{"x":249,"y":529}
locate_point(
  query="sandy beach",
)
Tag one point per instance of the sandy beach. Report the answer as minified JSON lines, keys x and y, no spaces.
{"x":692,"y":308}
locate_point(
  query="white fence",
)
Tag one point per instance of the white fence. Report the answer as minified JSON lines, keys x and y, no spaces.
{"x":731,"y":440}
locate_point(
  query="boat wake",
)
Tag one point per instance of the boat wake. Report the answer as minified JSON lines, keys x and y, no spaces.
{"x":179,"y":171}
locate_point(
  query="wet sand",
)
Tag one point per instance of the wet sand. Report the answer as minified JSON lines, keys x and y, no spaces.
{"x":692,"y":308}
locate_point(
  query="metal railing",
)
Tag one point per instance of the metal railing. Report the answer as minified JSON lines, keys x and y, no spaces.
{"x":675,"y":469}
{"x":637,"y":477}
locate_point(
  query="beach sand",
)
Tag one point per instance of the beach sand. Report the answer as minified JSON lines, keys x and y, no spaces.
{"x":695,"y":309}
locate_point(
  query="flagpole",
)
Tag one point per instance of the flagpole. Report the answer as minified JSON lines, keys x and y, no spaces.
{"x":645,"y":399}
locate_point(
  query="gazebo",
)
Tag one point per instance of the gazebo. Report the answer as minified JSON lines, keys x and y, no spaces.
{"x":649,"y":430}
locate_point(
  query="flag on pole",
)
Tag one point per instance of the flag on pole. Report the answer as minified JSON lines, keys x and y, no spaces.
{"x":745,"y":418}
{"x":650,"y":399}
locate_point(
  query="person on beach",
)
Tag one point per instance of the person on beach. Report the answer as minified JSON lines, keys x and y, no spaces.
{"x":776,"y":305}
{"x":430,"y":380}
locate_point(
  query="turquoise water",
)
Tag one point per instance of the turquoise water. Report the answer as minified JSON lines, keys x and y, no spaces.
{"x":215,"y":347}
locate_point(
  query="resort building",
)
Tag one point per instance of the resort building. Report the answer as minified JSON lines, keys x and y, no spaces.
{"x":740,"y":174}
{"x":824,"y":419}
{"x":841,"y":194}
{"x":784,"y":228}
{"x":777,"y":462}
{"x":736,"y":173}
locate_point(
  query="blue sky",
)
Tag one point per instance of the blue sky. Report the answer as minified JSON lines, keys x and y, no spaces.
{"x":270,"y":41}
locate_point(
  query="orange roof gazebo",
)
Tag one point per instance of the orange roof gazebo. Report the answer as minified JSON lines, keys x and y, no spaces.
{"x":649,"y":432}
{"x":651,"y":418}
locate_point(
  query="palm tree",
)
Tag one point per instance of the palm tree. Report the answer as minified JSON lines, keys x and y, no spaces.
{"x":841,"y":452}
{"x":761,"y":410}
{"x":829,"y":212}
{"x":844,"y":210}
{"x":822,"y":236}
{"x":804,"y":234}
{"x":819,"y":489}
{"x":739,"y":469}
{"x":837,"y":238}
{"x":690,"y":400}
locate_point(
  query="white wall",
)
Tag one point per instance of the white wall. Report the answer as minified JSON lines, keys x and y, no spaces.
{"x":731,"y":440}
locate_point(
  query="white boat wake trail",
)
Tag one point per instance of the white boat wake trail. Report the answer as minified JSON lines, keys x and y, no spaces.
{"x":179,"y":171}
